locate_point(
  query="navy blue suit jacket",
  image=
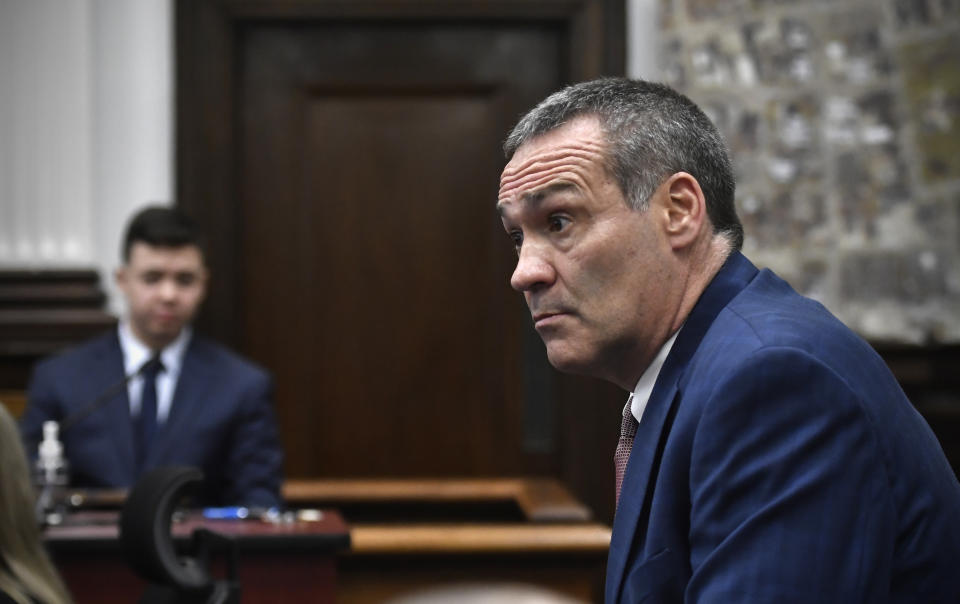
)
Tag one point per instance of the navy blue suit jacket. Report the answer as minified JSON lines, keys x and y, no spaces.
{"x":221,"y":420}
{"x":779,"y":461}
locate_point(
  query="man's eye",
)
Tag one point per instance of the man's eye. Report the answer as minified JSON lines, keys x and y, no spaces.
{"x":152,"y":277}
{"x":517,"y":238}
{"x":186,"y":279}
{"x":557,"y":223}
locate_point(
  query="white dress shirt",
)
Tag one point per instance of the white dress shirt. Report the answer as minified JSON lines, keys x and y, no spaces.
{"x":644,"y":388}
{"x":135,"y":354}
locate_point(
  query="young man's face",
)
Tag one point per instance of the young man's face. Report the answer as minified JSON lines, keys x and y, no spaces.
{"x":591,"y":268}
{"x":164,"y":287}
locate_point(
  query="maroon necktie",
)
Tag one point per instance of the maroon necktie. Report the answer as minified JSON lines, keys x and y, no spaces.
{"x":628,"y":429}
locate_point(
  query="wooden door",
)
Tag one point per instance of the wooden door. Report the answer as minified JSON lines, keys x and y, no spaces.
{"x":344,"y":160}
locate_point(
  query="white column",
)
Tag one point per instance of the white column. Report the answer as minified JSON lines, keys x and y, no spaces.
{"x":45,"y":129}
{"x":642,"y":40}
{"x":133,"y":123}
{"x":86,"y":127}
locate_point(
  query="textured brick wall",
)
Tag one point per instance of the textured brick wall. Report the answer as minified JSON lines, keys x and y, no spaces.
{"x":843,"y":117}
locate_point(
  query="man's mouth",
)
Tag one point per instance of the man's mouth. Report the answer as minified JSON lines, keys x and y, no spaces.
{"x":544,"y":319}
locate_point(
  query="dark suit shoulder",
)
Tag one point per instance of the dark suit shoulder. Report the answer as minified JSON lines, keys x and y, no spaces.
{"x":77,"y":357}
{"x":769,"y":327}
{"x":226,"y":360}
{"x":773,"y":315}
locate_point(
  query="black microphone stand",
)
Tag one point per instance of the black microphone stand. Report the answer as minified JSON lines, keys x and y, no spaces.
{"x":104,"y":397}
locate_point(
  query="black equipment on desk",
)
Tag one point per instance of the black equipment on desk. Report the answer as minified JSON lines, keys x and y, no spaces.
{"x":147,"y":543}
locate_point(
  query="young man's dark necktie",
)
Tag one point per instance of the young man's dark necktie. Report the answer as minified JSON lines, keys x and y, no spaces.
{"x":147,"y":421}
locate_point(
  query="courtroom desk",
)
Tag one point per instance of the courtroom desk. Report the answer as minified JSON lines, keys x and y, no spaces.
{"x":409,"y":535}
{"x":278,"y":563}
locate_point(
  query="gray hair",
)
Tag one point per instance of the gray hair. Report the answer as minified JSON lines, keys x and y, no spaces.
{"x":652,"y":132}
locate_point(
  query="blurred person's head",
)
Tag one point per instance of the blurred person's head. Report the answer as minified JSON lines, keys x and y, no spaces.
{"x":163,"y":276}
{"x":26,"y":573}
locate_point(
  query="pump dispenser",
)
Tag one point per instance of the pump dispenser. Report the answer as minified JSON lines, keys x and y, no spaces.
{"x":51,"y":476}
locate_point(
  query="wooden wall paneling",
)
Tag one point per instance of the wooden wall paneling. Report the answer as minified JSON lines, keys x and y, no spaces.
{"x":929,"y":377}
{"x":43,"y":312}
{"x":363,"y":190}
{"x":205,"y":144}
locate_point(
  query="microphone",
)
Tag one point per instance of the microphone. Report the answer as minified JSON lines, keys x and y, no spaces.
{"x":104,"y":397}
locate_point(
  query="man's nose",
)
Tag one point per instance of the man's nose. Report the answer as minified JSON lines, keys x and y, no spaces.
{"x":534,"y":269}
{"x":168,"y":289}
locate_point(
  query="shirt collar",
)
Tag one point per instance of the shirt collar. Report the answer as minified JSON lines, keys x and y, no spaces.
{"x":644,"y":387}
{"x":136,"y":353}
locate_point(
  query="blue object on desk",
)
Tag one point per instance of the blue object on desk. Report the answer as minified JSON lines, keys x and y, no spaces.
{"x":226,"y":513}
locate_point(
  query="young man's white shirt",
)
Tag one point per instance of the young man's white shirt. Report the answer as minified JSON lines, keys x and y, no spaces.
{"x":135,"y":354}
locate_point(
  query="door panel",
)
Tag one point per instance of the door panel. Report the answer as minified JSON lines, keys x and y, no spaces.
{"x":375,"y":270}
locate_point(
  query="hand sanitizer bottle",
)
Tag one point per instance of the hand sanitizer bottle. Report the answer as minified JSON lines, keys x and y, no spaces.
{"x":51,"y":476}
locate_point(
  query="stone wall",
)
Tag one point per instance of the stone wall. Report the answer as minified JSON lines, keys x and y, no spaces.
{"x":843,"y":117}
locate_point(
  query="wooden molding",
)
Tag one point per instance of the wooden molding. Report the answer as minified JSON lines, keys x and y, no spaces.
{"x":480,"y":538}
{"x":42,"y":312}
{"x":540,"y":499}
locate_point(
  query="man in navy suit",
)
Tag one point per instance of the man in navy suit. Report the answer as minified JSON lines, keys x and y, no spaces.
{"x":190,"y":402}
{"x":766,"y":454}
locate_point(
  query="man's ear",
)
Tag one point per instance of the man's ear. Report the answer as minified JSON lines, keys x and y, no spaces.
{"x":120,"y":276}
{"x":686,"y":210}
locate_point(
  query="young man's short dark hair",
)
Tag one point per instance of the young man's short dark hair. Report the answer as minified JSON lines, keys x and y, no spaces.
{"x":161,"y":226}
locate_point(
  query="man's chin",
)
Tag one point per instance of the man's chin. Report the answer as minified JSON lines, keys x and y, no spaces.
{"x":165,"y":334}
{"x":568,"y":361}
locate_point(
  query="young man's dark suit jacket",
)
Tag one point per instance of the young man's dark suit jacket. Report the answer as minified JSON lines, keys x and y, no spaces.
{"x":779,"y":461}
{"x":221,"y":420}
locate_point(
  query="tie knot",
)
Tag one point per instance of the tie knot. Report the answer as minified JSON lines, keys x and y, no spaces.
{"x":628,"y":427}
{"x":152,"y":367}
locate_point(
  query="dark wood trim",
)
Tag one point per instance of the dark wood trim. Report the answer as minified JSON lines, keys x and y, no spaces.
{"x":26,"y":288}
{"x":205,"y":158}
{"x":43,"y":312}
{"x":922,"y":365}
{"x":540,"y":499}
{"x":615,"y":51}
{"x":929,"y":376}
{"x":14,"y":400}
{"x":401,"y":9}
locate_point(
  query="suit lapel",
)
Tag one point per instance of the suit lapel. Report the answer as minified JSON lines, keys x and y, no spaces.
{"x":192,"y":385}
{"x":636,"y":481}
{"x":116,"y":413}
{"x":654,"y":427}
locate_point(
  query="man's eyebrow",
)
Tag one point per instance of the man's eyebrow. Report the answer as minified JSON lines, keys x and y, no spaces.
{"x":535,"y":198}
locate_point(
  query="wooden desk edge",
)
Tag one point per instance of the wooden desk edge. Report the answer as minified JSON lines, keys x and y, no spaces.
{"x":540,"y":499}
{"x":563,"y":539}
{"x":99,"y":531}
